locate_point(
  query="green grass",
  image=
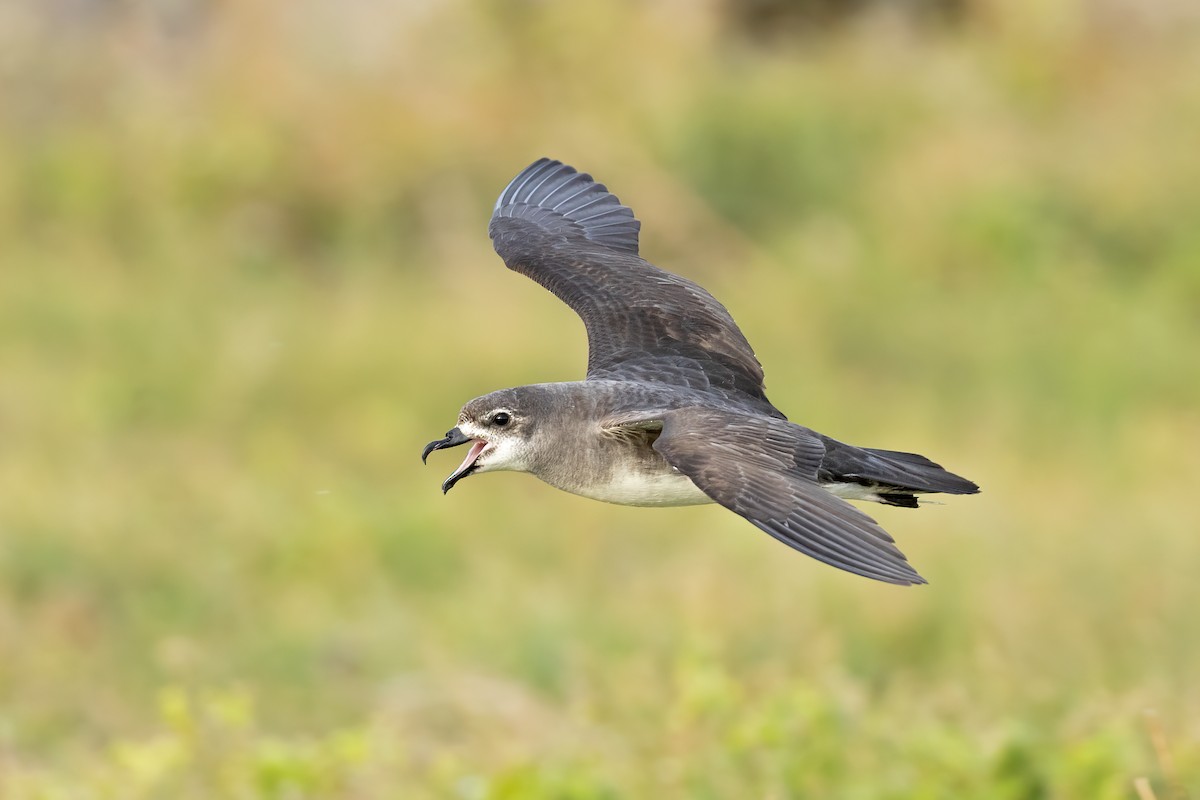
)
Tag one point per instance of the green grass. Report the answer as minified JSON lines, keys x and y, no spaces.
{"x":246,"y":277}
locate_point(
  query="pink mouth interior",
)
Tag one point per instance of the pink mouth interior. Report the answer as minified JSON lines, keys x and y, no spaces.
{"x":472,"y":454}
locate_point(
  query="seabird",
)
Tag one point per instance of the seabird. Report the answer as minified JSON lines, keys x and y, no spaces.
{"x":672,"y":411}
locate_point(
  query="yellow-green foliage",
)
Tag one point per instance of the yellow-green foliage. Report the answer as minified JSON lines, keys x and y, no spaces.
{"x":245,"y":277}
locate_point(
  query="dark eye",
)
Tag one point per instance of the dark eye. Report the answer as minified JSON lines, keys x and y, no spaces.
{"x":501,"y":418}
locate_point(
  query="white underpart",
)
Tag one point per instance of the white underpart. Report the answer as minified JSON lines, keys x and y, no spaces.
{"x":630,"y":488}
{"x":852,"y":491}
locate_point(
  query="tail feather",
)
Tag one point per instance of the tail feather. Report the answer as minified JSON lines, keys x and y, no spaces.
{"x":902,"y":499}
{"x":899,"y":455}
{"x":918,"y":473}
{"x":896,"y":475}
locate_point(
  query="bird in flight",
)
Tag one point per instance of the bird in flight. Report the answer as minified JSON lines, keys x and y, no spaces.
{"x":672,"y":411}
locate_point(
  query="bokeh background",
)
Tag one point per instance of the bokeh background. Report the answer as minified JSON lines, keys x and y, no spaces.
{"x":244,"y":277}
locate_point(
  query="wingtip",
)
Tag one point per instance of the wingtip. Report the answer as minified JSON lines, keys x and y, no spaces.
{"x":514,"y":186}
{"x":559,"y":198}
{"x":909,"y":577}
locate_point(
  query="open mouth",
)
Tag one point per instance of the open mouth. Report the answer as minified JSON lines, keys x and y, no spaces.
{"x":466,"y":467}
{"x":454,"y":438}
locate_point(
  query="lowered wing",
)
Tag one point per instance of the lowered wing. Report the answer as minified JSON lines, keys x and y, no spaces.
{"x":765,"y":470}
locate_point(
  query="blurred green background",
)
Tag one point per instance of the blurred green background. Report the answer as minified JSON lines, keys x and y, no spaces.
{"x":245,"y":277}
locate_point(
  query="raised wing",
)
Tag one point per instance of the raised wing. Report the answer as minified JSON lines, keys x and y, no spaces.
{"x":571,"y":235}
{"x":765,"y":470}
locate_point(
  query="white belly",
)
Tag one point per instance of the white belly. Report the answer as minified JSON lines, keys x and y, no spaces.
{"x":645,"y":489}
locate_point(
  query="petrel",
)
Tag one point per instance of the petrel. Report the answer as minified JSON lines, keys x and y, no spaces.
{"x":672,"y":411}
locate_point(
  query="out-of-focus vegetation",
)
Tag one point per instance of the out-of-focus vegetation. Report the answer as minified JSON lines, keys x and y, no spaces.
{"x":245,"y":277}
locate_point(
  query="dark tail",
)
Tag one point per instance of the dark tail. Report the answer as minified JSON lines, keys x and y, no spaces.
{"x":917,"y":473}
{"x":896,"y":477}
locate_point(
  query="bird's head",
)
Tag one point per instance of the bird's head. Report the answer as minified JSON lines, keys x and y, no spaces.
{"x":499,"y":427}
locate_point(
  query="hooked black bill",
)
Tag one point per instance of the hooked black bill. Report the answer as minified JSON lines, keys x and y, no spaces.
{"x":454,"y":437}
